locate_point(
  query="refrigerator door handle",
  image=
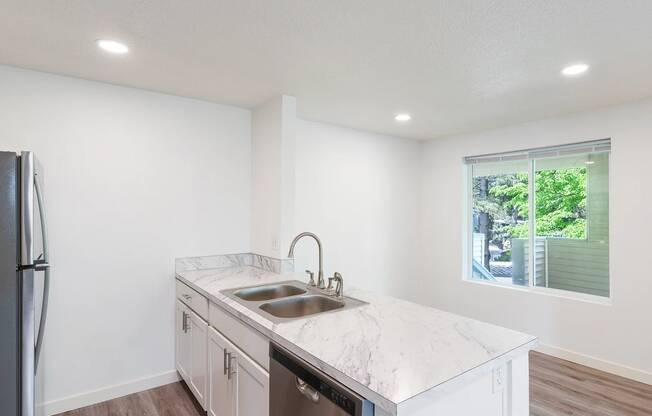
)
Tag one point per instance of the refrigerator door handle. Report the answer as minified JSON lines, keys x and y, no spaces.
{"x":42,"y":264}
{"x":27,"y":209}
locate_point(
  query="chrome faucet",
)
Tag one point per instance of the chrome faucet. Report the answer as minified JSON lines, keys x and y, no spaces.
{"x":338,"y":290}
{"x":320,"y":273}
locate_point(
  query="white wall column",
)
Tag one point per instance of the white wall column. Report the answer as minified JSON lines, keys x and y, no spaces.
{"x":272,"y":176}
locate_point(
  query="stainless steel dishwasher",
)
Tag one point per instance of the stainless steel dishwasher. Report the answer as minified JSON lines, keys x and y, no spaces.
{"x":298,"y":389}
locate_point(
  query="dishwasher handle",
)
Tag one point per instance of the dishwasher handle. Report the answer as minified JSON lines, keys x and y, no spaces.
{"x":310,"y":393}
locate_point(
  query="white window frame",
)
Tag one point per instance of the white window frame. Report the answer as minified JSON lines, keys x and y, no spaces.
{"x":467,"y":242}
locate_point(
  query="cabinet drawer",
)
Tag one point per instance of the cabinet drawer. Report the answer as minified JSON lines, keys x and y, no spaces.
{"x":193,"y":299}
{"x":250,"y":341}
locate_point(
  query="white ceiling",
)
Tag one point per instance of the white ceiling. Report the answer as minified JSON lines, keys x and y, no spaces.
{"x":455,"y":65}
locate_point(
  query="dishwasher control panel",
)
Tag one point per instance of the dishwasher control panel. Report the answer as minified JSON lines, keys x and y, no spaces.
{"x":337,"y":398}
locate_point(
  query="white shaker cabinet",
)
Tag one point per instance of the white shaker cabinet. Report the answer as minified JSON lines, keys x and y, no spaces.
{"x":238,"y":385}
{"x":182,"y":341}
{"x":199,"y":367}
{"x":220,"y":390}
{"x":252,"y":387}
{"x":191,"y":355}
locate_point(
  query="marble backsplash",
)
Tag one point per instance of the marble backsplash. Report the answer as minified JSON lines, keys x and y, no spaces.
{"x":219,"y":261}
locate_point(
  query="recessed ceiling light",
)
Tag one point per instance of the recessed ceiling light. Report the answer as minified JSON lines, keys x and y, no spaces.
{"x":574,"y":70}
{"x":402,"y":117}
{"x":113,"y":46}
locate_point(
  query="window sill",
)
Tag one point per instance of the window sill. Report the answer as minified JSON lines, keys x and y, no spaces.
{"x":545,"y":291}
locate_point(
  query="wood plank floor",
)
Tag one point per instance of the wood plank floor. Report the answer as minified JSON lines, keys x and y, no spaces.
{"x":170,"y":400}
{"x":557,"y":388}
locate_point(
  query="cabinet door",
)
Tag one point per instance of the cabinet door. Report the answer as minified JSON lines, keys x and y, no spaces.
{"x":182,"y":341}
{"x":198,"y":330}
{"x":221,"y":401}
{"x":252,"y":385}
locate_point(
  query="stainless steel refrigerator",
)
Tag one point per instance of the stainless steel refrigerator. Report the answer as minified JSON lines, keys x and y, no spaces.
{"x":24,"y":280}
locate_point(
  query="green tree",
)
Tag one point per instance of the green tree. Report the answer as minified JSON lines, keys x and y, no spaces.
{"x":560,"y":203}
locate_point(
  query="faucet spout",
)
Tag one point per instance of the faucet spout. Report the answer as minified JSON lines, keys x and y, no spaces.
{"x":320,"y":273}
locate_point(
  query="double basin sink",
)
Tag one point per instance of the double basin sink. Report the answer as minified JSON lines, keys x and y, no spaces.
{"x":289,"y":300}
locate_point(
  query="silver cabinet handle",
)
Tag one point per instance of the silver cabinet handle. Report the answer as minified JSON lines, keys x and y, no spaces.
{"x":226,"y":366}
{"x":229,"y":372}
{"x":185,"y":325}
{"x":310,"y":393}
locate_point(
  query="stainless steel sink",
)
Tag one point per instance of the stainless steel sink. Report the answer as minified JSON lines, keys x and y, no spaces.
{"x":285,"y":301}
{"x":268,"y":292}
{"x":298,"y":306}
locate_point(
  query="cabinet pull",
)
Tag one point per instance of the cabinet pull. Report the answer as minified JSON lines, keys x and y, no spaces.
{"x":229,"y":372}
{"x":226,"y":368}
{"x":184,"y":323}
{"x":186,"y":296}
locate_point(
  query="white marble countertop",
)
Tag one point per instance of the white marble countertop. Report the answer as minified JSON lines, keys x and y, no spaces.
{"x":388,"y":351}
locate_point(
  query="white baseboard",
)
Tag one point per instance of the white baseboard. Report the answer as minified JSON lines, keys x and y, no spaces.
{"x":597,"y":363}
{"x":106,"y":393}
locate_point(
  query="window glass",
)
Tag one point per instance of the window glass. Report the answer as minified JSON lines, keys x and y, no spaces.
{"x":500,"y":222}
{"x":572,"y":223}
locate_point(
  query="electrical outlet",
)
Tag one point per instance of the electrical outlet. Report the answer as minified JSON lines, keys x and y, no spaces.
{"x":276,"y":245}
{"x":499,"y":379}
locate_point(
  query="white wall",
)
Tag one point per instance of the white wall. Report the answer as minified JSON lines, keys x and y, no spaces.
{"x":133,"y":179}
{"x":272,"y":175}
{"x":617,"y":334}
{"x":359,"y":192}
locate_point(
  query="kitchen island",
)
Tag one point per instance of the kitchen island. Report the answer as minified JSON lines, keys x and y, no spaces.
{"x":407,"y":359}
